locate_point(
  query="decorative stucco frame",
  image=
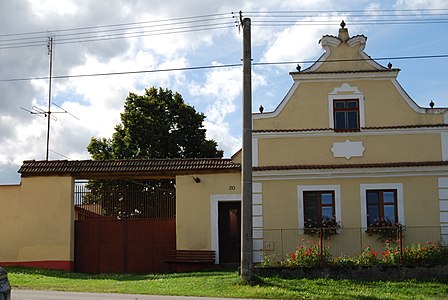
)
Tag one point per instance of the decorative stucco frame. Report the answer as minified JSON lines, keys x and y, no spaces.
{"x":346,"y":92}
{"x":215,"y":199}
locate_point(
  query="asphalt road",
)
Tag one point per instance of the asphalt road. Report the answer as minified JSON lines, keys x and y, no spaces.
{"x":51,"y":295}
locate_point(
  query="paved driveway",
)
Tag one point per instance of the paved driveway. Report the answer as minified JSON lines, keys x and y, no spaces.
{"x":50,"y":295}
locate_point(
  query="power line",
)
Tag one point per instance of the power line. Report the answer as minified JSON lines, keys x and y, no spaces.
{"x":216,"y":22}
{"x":366,"y":11}
{"x":126,"y":30}
{"x":114,"y":25}
{"x":117,"y":31}
{"x":115,"y":37}
{"x":352,"y":17}
{"x":220,"y":66}
{"x":361,"y":22}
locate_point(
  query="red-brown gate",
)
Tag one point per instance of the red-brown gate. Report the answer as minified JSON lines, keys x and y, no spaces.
{"x":124,"y":227}
{"x":123,"y":246}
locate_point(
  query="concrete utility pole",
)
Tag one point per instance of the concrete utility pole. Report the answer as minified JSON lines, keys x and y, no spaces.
{"x":246,"y":187}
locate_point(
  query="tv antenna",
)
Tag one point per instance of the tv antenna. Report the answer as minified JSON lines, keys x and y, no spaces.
{"x":48,"y":113}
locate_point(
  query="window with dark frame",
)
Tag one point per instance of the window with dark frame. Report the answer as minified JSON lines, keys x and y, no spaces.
{"x":346,"y":114}
{"x":318,"y":206}
{"x":381,"y":206}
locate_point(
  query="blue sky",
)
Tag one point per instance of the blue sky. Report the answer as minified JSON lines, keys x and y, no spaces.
{"x":97,"y":101}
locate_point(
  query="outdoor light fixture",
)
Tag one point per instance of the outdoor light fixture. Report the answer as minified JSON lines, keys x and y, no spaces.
{"x":196,"y":179}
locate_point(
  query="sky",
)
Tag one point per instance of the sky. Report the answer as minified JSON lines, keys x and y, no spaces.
{"x":186,"y":46}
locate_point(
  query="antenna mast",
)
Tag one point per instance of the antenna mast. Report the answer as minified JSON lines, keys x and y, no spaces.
{"x":35,"y":110}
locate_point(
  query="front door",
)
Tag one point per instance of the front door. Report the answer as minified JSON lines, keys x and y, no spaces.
{"x":229,"y":224}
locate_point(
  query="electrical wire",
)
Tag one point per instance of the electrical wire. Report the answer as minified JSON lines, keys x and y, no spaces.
{"x":114,"y":25}
{"x":255,"y":64}
{"x":118,"y":36}
{"x":210,"y":22}
{"x":351,"y":17}
{"x":117,"y":31}
{"x":217,"y":22}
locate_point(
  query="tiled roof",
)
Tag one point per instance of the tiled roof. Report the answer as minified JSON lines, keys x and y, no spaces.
{"x":111,"y":168}
{"x":163,"y":168}
{"x":353,"y":166}
{"x":363,"y":128}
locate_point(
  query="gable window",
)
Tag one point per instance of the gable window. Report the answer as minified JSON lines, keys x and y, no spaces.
{"x":381,"y":205}
{"x":346,"y":114}
{"x":318,"y":206}
{"x":346,"y":108}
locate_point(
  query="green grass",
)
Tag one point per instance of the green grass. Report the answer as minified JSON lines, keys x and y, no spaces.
{"x":225,"y":284}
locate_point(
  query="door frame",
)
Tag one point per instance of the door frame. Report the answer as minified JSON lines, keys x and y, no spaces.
{"x":214,"y":200}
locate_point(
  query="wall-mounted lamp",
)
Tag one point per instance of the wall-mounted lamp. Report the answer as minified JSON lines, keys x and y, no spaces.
{"x":196,"y":179}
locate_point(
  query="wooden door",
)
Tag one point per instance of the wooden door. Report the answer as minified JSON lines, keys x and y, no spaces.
{"x":229,"y":226}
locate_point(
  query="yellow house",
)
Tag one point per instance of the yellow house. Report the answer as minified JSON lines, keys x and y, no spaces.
{"x":346,"y":145}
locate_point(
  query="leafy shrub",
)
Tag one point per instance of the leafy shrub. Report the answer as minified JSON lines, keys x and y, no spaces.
{"x":385,"y":229}
{"x":327,"y":227}
{"x":391,"y":256}
{"x":346,"y":261}
{"x":309,"y":255}
{"x":368,"y":257}
{"x":431,"y":254}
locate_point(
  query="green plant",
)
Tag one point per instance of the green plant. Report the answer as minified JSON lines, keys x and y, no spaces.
{"x":368,"y":257}
{"x":346,"y":261}
{"x":385,"y":229}
{"x":224,"y":284}
{"x":309,"y":255}
{"x":270,"y":261}
{"x":431,"y":254}
{"x":327,"y":227}
{"x":392,"y":254}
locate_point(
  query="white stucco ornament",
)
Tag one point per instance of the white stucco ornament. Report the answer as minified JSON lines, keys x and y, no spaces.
{"x":347,"y":149}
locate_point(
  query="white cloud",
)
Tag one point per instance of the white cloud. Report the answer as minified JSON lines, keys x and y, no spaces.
{"x":222,"y":133}
{"x":421,"y":4}
{"x":220,"y":88}
{"x":44,"y":8}
{"x":298,"y":43}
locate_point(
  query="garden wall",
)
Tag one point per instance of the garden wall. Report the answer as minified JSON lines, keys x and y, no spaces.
{"x":358,"y":272}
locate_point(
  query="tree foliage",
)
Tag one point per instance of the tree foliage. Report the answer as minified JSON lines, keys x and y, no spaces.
{"x":157,"y":124}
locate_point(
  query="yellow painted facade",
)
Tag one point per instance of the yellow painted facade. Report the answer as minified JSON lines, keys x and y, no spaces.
{"x":9,"y":221}
{"x":378,"y":148}
{"x":280,"y":200}
{"x":389,"y":150}
{"x":194,"y":204}
{"x":37,"y":221}
{"x":384,"y":105}
{"x":297,"y":149}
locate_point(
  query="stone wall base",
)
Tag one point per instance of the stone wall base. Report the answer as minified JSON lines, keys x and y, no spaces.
{"x":359,"y":273}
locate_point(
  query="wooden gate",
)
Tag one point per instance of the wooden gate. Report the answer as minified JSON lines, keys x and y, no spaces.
{"x":123,"y":246}
{"x":124,"y":227}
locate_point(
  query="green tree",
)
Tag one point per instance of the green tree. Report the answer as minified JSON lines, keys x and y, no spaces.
{"x":157,"y":124}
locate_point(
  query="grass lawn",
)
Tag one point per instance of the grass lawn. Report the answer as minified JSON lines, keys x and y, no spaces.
{"x":225,"y":284}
